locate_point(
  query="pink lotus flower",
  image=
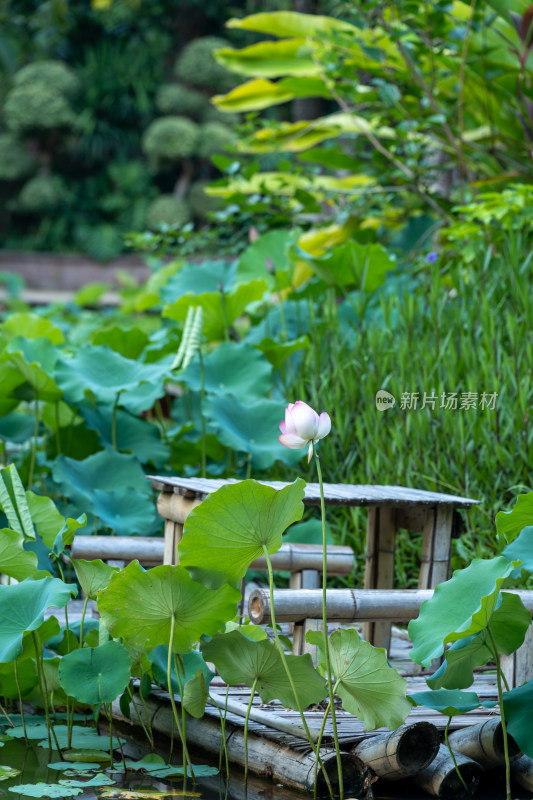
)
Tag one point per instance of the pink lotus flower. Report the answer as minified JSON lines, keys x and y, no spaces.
{"x":302,"y":426}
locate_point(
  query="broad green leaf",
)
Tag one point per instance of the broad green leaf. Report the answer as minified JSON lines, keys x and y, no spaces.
{"x":14,"y":504}
{"x":79,"y":479}
{"x":22,"y":607}
{"x":140,"y":606}
{"x":86,"y":755}
{"x":133,"y":434}
{"x":32,"y":326}
{"x":15,"y":427}
{"x":459,"y":607}
{"x":235,"y":301}
{"x":509,"y":625}
{"x":270,"y":59}
{"x":99,"y":372}
{"x":34,"y":360}
{"x":49,"y":522}
{"x":127,"y":341}
{"x":250,"y":428}
{"x":510,"y":523}
{"x":367,"y":685}
{"x":93,"y":575}
{"x":40,"y":789}
{"x":86,"y":739}
{"x":26,"y":675}
{"x":229,"y":529}
{"x":241,"y":660}
{"x":521,"y":549}
{"x":518,"y":710}
{"x":97,"y":780}
{"x":78,"y":766}
{"x":290,"y":23}
{"x":8,"y":772}
{"x":278,"y":352}
{"x":353,"y":264}
{"x":288,"y":184}
{"x":195,"y":695}
{"x":14,"y":560}
{"x":253,"y":95}
{"x":254,"y":632}
{"x":199,"y":279}
{"x":273,"y":247}
{"x":125,"y":511}
{"x":449,"y":702}
{"x":192,"y":662}
{"x":156,"y":767}
{"x":234,"y":368}
{"x":95,"y":675}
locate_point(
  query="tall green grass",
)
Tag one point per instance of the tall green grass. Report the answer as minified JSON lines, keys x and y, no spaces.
{"x":437,"y":328}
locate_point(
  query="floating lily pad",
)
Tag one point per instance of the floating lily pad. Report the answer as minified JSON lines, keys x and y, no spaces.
{"x":86,"y":756}
{"x":75,"y":766}
{"x":98,"y":780}
{"x":45,"y":790}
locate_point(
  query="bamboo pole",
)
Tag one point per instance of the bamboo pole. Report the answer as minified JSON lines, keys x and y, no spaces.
{"x":397,"y":605}
{"x":271,"y":759}
{"x":441,"y":780}
{"x":264,"y":717}
{"x":401,"y":753}
{"x":484,"y":743}
{"x":522,"y":772}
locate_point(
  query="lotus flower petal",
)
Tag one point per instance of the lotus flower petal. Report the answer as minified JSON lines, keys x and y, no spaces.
{"x":292,"y":441}
{"x":324,"y":425}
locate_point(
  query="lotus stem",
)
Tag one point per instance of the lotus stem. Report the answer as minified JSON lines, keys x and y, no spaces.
{"x":325,"y":625}
{"x":202,"y":414}
{"x":85,"y":602}
{"x":114,"y":422}
{"x":314,"y":748}
{"x":33,"y":452}
{"x":247,"y":717}
{"x":502,"y":714}
{"x":22,"y":717}
{"x":139,"y":716}
{"x":187,"y":760}
{"x":452,"y":754}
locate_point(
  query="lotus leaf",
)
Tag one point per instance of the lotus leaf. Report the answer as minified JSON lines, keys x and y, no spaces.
{"x":199,"y":278}
{"x":49,"y":522}
{"x":93,"y":575}
{"x":140,"y":607}
{"x":234,"y":368}
{"x":192,"y":662}
{"x":124,"y":510}
{"x":518,"y":710}
{"x":229,"y":529}
{"x":95,"y":674}
{"x":510,"y":523}
{"x":14,"y":560}
{"x":15,"y":427}
{"x":45,"y":790}
{"x":133,"y":434}
{"x":14,"y":504}
{"x":128,"y":342}
{"x":449,"y":702}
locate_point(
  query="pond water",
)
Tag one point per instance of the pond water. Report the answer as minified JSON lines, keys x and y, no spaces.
{"x":33,"y":762}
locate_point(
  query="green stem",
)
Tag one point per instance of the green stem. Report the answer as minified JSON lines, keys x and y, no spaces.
{"x":139,"y":717}
{"x":180,"y":687}
{"x":204,"y":427}
{"x":83,"y":618}
{"x":6,"y":715}
{"x":325,"y":624}
{"x":247,"y":717}
{"x":33,"y":454}
{"x":110,"y":716}
{"x":455,"y":764}
{"x":20,"y":701}
{"x":58,"y":429}
{"x":3,"y":451}
{"x":502,"y":715}
{"x":224,"y":313}
{"x":43,"y":690}
{"x":114,"y":422}
{"x":173,"y":704}
{"x":248,"y":466}
{"x":223,"y":746}
{"x":314,"y":748}
{"x":149,"y":732}
{"x":324,"y":720}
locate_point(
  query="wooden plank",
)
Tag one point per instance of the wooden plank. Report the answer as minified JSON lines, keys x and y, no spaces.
{"x":173,"y":534}
{"x":436,"y":546}
{"x":339,"y":494}
{"x":379,"y":568}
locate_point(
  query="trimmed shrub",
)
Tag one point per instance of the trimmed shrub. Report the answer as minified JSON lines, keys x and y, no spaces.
{"x":201,"y":203}
{"x":41,"y":193}
{"x":197,"y":66}
{"x":169,"y":210}
{"x":37,"y":106}
{"x":169,"y":139}
{"x":15,"y":159}
{"x":172,"y":98}
{"x":53,"y":74}
{"x":214,"y":138}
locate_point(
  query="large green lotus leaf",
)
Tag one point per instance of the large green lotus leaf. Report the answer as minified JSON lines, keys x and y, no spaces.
{"x":128,"y":342}
{"x":79,"y":479}
{"x":40,"y":789}
{"x":49,"y":522}
{"x":14,"y":560}
{"x":22,"y":607}
{"x":82,"y":738}
{"x":98,"y":780}
{"x":156,"y":767}
{"x":34,"y":360}
{"x":234,"y":368}
{"x":518,"y":711}
{"x":509,"y":624}
{"x":26,"y":675}
{"x":15,"y":427}
{"x":102,"y":373}
{"x":93,"y":575}
{"x":124,"y":510}
{"x":199,"y":279}
{"x":363,"y":266}
{"x":449,"y":702}
{"x":195,"y":695}
{"x":95,"y":674}
{"x":241,"y":660}
{"x":367,"y":685}
{"x":228,"y":530}
{"x":250,"y":428}
{"x":270,"y":59}
{"x":139,"y":606}
{"x":14,"y":503}
{"x":278,"y":352}
{"x":458,"y":608}
{"x":270,"y":247}
{"x":236,"y":300}
{"x":510,"y":523}
{"x":192,"y":662}
{"x":32,"y":326}
{"x":521,"y":549}
{"x":134,"y":434}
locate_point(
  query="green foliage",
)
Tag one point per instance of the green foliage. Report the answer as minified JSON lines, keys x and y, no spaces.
{"x":16,"y":160}
{"x":173,"y":98}
{"x":37,"y":106}
{"x":170,"y":139}
{"x":95,"y":675}
{"x":42,"y":193}
{"x":197,"y":66}
{"x":167,"y":210}
{"x":54,"y":74}
{"x":215,"y":137}
{"x":201,"y":204}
